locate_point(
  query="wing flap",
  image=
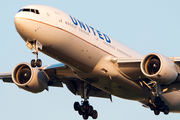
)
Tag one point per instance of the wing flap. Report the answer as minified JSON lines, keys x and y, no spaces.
{"x":61,"y":73}
{"x":76,"y":86}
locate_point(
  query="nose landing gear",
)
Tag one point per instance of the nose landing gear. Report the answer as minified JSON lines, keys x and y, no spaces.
{"x":36,"y":62}
{"x":36,"y":46}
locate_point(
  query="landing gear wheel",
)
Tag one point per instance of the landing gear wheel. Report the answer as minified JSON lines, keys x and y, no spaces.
{"x":76,"y":106}
{"x":85,"y":110}
{"x":156,"y":111}
{"x":85,"y":116}
{"x":154,"y":101}
{"x":95,"y":114}
{"x":166,"y":111}
{"x":157,"y":106}
{"x":85,"y":105}
{"x":157,"y":101}
{"x":33,"y":63}
{"x":90,"y":111}
{"x":152,"y":107}
{"x":148,"y":101}
{"x":162,"y":106}
{"x":38,"y":63}
{"x":80,"y":112}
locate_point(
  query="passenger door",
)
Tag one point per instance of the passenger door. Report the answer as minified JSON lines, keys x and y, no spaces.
{"x":59,"y":20}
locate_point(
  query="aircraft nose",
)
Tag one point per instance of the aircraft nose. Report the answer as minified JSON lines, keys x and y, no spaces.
{"x":17,"y":20}
{"x":20,"y":25}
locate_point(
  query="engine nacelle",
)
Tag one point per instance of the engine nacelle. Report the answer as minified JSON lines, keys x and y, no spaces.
{"x":159,"y":68}
{"x":28,"y":78}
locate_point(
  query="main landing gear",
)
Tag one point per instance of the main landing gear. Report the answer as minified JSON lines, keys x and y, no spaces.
{"x":85,"y":109}
{"x":157,"y":105}
{"x":154,"y":102}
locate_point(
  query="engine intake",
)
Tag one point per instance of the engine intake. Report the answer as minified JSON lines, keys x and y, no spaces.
{"x":23,"y":74}
{"x":152,"y":65}
{"x":28,"y":78}
{"x":159,"y":68}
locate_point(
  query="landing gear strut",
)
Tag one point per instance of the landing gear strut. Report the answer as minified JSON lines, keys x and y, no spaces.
{"x":36,"y":62}
{"x":85,"y":109}
{"x":154,"y":102}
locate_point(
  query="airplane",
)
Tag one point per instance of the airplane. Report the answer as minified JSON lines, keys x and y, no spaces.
{"x":91,"y":64}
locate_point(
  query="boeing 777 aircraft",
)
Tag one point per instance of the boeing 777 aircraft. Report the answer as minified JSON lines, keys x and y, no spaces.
{"x":91,"y":63}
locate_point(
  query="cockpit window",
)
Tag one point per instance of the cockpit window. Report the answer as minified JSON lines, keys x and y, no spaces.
{"x":20,"y":10}
{"x":37,"y":12}
{"x":26,"y":10}
{"x":32,"y":10}
{"x":29,"y":10}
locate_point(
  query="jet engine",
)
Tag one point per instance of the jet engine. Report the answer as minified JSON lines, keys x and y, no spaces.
{"x":159,"y":68}
{"x":28,"y":78}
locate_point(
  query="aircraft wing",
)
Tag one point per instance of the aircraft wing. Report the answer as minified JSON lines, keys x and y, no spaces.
{"x":131,"y":67}
{"x":175,"y":59}
{"x":60,"y":74}
{"x":6,"y":76}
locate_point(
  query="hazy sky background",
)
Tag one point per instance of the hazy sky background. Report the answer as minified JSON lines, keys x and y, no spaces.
{"x":145,"y":26}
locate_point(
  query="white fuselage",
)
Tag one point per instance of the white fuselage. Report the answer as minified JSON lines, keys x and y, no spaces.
{"x":85,"y":49}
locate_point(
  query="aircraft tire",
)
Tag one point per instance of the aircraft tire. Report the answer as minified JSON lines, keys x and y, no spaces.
{"x":33,"y":63}
{"x":166,"y":111}
{"x":76,"y":106}
{"x":80,"y":112}
{"x":85,"y":106}
{"x":95,"y":114}
{"x":156,"y":111}
{"x":157,"y":101}
{"x":148,"y":101}
{"x":85,"y":116}
{"x":38,"y":63}
{"x":152,"y":107}
{"x":162,"y":106}
{"x":90,"y":111}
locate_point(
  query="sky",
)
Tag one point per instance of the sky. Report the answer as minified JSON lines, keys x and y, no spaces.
{"x":145,"y":26}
